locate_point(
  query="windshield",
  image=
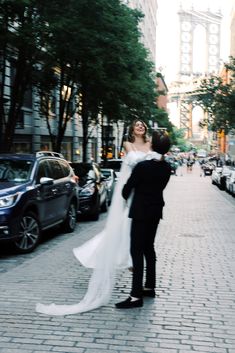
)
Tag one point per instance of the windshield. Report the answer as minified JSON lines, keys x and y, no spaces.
{"x":17,"y":171}
{"x":115,"y":165}
{"x":84,"y":171}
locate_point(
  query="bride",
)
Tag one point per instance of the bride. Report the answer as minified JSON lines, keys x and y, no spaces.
{"x":108,"y":251}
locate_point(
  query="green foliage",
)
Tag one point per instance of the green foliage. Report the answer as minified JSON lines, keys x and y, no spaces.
{"x":218,"y":100}
{"x":90,"y":49}
{"x":109,"y":69}
{"x":178,"y":139}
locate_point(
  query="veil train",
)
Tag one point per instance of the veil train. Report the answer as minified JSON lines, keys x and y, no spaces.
{"x":106,"y":252}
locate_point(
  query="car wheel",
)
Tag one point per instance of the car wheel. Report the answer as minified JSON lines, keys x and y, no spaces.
{"x":29,"y":233}
{"x":70,"y":221}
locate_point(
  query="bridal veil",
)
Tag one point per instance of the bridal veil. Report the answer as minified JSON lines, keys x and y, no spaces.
{"x":104,"y":253}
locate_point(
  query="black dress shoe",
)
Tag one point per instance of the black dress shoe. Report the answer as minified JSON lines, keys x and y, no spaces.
{"x":148,"y":293}
{"x":128,"y":304}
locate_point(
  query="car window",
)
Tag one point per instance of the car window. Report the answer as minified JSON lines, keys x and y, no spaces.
{"x":65,"y":168}
{"x":106,"y":173}
{"x":114,"y":164}
{"x":43,"y":171}
{"x":56,"y":171}
{"x":84,"y":171}
{"x":17,"y":171}
{"x":81,"y":169}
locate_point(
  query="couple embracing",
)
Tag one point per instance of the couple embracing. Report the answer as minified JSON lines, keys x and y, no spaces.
{"x":130,"y":229}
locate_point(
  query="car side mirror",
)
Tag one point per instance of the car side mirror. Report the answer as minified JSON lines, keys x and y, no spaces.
{"x":46,"y":181}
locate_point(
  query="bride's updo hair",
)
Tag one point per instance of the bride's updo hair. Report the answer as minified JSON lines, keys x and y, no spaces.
{"x":160,"y":141}
{"x":131,"y":135}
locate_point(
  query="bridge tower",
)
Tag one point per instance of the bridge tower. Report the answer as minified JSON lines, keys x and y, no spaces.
{"x":190,"y":21}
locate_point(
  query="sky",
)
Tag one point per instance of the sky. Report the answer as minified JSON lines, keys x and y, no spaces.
{"x":167,"y":51}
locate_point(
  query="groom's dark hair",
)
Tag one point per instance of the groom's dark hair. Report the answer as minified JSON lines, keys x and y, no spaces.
{"x":160,"y":141}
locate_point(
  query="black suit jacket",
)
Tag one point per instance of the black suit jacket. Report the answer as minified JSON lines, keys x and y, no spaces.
{"x":148,"y":180}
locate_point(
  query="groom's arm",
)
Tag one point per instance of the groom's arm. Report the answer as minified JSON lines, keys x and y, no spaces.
{"x":131,"y":182}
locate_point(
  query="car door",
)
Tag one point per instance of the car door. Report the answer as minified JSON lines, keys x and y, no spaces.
{"x":61,"y":189}
{"x":46,"y":195}
{"x":68,"y":186}
{"x":231,"y":187}
{"x":101,"y":183}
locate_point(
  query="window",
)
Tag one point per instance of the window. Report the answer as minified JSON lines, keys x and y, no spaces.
{"x":65,"y":168}
{"x":55,"y":170}
{"x":22,"y":147}
{"x":27,"y":101}
{"x":20,"y":120}
{"x":43,"y":171}
{"x":14,"y":170}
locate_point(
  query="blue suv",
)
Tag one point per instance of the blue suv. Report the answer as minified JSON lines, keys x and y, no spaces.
{"x":37,"y":191}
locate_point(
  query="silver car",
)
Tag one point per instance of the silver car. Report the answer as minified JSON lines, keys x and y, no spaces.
{"x":216,"y":175}
{"x":111,"y":177}
{"x":230,"y":183}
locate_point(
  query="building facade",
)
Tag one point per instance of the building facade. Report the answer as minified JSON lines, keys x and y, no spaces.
{"x":162,"y":99}
{"x":230,"y":143}
{"x":148,"y":24}
{"x":232,"y":31}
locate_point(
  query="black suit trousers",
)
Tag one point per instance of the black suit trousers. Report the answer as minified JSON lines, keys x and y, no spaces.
{"x":142,"y":247}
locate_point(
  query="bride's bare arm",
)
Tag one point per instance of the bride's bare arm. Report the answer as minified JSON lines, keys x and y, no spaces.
{"x":127,"y":146}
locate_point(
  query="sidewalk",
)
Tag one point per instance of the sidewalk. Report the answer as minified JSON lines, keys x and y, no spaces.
{"x":194,"y":310}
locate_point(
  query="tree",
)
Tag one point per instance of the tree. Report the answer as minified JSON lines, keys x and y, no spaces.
{"x":58,"y":72}
{"x":88,"y":59}
{"x":21,"y":41}
{"x":217,"y":98}
{"x":178,"y":139}
{"x":116,"y":78}
{"x":128,"y":85}
{"x":105,"y":61}
{"x":162,"y":120}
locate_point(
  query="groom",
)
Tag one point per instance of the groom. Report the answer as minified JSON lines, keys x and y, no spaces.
{"x":148,"y":180}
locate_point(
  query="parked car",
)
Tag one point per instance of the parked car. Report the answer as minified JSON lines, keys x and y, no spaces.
{"x":114,"y":164}
{"x":233,"y":187}
{"x":215,"y":176}
{"x":93,"y":193}
{"x":230,"y":183}
{"x":207,"y":168}
{"x":225,"y":172}
{"x":110,"y":176}
{"x":37,"y":192}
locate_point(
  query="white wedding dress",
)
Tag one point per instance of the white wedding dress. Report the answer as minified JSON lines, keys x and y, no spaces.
{"x":107,"y":251}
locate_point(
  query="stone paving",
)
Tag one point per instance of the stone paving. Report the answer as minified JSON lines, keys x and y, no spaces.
{"x":194,"y":310}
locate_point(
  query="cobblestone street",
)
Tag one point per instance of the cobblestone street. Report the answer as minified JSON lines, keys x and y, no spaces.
{"x":194,"y":310}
